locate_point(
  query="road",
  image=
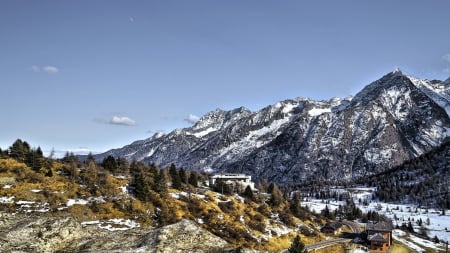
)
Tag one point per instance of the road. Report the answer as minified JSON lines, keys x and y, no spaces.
{"x":327,"y":243}
{"x":323,"y":244}
{"x":352,"y":225}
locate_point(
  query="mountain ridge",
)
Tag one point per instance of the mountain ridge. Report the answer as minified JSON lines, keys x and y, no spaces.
{"x":391,"y":120}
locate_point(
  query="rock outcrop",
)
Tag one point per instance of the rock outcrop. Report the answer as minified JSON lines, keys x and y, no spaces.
{"x":27,"y":233}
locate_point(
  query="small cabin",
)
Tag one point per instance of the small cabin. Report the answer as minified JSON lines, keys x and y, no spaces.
{"x":331,"y":228}
{"x":379,"y":236}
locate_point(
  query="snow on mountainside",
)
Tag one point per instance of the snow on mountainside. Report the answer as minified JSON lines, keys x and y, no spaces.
{"x":391,"y":120}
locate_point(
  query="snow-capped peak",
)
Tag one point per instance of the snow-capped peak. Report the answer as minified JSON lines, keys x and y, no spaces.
{"x":447,"y":81}
{"x":397,"y":71}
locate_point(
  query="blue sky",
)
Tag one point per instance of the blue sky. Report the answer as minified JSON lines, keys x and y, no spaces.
{"x":96,"y":75}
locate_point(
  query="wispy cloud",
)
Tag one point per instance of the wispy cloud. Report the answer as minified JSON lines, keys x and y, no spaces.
{"x":116,"y":120}
{"x":131,"y":19}
{"x":50,"y":69}
{"x":192,"y":118}
{"x":47,"y":69}
{"x":124,"y":121}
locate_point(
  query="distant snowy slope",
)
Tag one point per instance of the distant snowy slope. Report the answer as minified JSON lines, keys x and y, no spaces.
{"x":391,"y":120}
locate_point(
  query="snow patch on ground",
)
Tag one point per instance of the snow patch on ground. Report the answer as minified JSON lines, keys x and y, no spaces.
{"x":435,"y":223}
{"x":318,"y":111}
{"x":203,"y":133}
{"x":7,"y":200}
{"x":71,"y":202}
{"x":113,"y":224}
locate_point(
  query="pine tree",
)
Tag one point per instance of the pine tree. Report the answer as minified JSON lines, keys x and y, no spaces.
{"x":160,"y":185}
{"x":90,"y":157}
{"x":276,"y":196}
{"x":35,"y":159}
{"x":248,"y":193}
{"x":141,"y":183}
{"x":175,"y":176}
{"x":193,"y":179}
{"x":297,"y":246}
{"x":109,"y":163}
{"x":19,"y":150}
{"x":123,"y":166}
{"x":183,"y":176}
{"x":294,"y":204}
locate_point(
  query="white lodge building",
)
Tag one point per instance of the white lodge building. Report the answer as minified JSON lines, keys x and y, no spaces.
{"x":231,"y":178}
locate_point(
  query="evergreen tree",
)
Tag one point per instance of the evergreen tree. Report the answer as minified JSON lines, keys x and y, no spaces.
{"x":175,"y":176}
{"x":123,"y":166}
{"x":294,"y":204}
{"x":297,"y":246}
{"x":410,"y":227}
{"x":141,"y":184}
{"x":35,"y":159}
{"x":19,"y":150}
{"x":248,"y":193}
{"x":3,"y":153}
{"x":276,"y":196}
{"x":109,"y":163}
{"x":73,"y":170}
{"x":160,"y":185}
{"x":90,"y":176}
{"x":193,"y":179}
{"x":90,"y":157}
{"x":183,"y":176}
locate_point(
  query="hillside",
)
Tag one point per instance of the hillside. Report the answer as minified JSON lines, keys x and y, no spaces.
{"x":423,"y":180}
{"x":392,"y":120}
{"x":68,"y":205}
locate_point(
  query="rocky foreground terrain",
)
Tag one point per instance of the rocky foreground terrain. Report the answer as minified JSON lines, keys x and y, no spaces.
{"x":22,"y":233}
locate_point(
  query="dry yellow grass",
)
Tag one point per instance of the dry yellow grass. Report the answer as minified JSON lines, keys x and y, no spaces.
{"x":242,"y":223}
{"x":398,"y":247}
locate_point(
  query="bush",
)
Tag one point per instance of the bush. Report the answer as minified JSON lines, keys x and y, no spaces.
{"x":227,"y":207}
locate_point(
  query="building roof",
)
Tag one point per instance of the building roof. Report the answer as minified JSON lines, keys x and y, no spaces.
{"x":377,"y":238}
{"x":380,"y":226}
{"x":332,"y":225}
{"x":230,"y":175}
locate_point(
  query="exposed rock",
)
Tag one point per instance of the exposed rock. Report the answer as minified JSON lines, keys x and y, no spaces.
{"x":393,"y":119}
{"x":22,"y":233}
{"x":184,"y":236}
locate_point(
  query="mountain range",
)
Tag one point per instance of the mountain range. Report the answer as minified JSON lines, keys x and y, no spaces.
{"x":390,"y":121}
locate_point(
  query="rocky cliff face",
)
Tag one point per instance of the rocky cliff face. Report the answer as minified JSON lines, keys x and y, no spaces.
{"x":20,"y":233}
{"x":391,"y":120}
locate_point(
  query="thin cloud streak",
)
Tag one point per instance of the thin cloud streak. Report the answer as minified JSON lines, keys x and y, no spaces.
{"x":124,"y":121}
{"x":47,"y":69}
{"x":50,"y":69}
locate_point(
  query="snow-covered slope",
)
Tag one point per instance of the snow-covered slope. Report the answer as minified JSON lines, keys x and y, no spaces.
{"x":391,"y":120}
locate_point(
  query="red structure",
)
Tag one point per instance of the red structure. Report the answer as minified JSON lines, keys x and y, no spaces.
{"x":380,"y":236}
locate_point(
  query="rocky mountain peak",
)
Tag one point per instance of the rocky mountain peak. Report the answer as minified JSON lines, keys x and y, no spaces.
{"x":391,"y":120}
{"x":447,"y":81}
{"x":217,"y":118}
{"x":393,"y":80}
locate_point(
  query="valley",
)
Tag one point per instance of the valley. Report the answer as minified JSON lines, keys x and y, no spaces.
{"x":379,"y":157}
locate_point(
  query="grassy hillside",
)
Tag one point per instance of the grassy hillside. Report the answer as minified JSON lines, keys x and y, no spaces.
{"x":144,"y":194}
